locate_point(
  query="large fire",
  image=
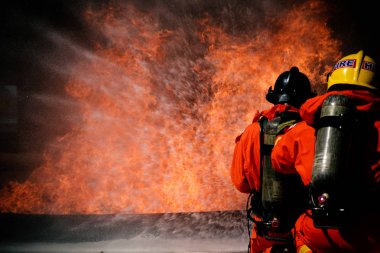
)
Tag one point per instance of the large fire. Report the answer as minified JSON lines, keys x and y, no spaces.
{"x":160,"y":106}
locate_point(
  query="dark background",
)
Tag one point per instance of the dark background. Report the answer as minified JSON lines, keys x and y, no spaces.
{"x":21,"y":46}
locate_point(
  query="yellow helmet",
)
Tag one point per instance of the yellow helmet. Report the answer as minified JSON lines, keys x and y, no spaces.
{"x":353,"y":69}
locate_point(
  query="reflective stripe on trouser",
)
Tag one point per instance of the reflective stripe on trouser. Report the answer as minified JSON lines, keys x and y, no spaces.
{"x":304,"y":249}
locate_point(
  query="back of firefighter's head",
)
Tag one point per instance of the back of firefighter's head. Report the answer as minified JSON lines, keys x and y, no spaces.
{"x":292,"y":87}
{"x":355,"y":71}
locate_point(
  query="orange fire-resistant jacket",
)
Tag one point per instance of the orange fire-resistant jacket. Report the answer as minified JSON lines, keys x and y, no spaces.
{"x":245,"y":168}
{"x":294,"y":152}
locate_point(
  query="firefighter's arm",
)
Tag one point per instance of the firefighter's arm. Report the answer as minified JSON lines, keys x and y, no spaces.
{"x":306,"y":149}
{"x":243,"y":167}
{"x":237,"y":168}
{"x":283,"y":154}
{"x":294,"y":151}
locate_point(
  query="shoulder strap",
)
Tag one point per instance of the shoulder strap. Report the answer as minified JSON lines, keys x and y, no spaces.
{"x":278,"y":124}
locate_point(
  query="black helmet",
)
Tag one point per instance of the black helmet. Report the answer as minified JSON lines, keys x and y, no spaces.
{"x":291,"y":87}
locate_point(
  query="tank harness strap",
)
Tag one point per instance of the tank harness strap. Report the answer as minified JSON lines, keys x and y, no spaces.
{"x":270,"y":137}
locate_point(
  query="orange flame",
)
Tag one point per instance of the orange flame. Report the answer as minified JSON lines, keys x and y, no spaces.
{"x":160,"y":108}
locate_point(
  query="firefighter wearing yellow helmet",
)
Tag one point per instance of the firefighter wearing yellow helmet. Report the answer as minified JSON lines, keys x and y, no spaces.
{"x":354,"y":69}
{"x":335,"y":150}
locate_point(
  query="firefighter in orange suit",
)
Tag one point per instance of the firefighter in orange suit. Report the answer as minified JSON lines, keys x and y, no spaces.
{"x":291,"y":89}
{"x":297,"y":151}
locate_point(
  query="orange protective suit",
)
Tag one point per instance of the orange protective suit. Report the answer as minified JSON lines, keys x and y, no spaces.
{"x":245,"y":168}
{"x":294,"y":153}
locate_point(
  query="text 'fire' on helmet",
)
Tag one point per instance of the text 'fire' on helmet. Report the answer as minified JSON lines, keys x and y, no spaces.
{"x":354,"y":69}
{"x":292,"y":87}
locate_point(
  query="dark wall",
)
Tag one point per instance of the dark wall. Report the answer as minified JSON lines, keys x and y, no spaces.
{"x":355,"y":23}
